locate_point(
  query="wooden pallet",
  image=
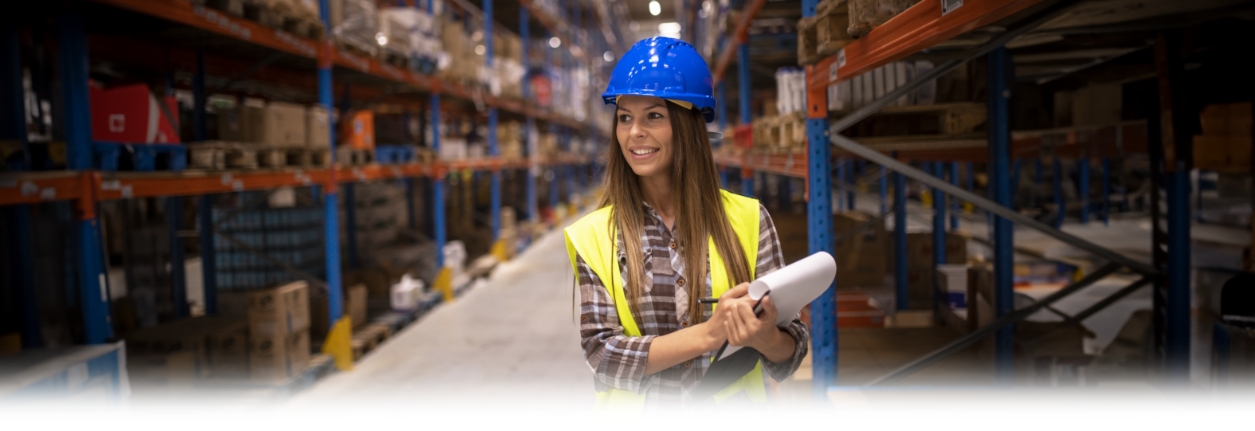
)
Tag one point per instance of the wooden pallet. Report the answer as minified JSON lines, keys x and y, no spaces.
{"x":807,"y":42}
{"x":369,"y":338}
{"x":358,"y":49}
{"x":220,"y":155}
{"x":832,"y":24}
{"x":938,"y":119}
{"x":346,"y":156}
{"x":296,"y":20}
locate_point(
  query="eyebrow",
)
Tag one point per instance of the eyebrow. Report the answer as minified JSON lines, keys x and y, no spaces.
{"x":656,"y":105}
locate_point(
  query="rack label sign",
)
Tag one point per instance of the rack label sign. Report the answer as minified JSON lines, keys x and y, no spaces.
{"x":948,"y":6}
{"x":841,"y":58}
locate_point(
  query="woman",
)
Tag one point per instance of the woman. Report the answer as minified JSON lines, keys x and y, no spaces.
{"x":663,"y":218}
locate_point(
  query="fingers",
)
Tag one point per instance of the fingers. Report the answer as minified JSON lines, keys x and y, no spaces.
{"x":736,"y":292}
{"x":737,"y":325}
{"x":769,"y":311}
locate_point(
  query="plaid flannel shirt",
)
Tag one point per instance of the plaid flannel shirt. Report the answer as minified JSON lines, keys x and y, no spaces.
{"x":618,"y":360}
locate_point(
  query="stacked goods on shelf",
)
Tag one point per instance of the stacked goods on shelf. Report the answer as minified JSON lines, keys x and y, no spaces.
{"x":279,"y":320}
{"x":355,"y":26}
{"x":509,"y":234}
{"x":464,"y":64}
{"x":866,"y":88}
{"x":1093,"y":105}
{"x":507,"y":65}
{"x":783,"y":127}
{"x":178,"y":354}
{"x":1226,"y":140}
{"x":865,"y":15}
{"x":273,"y":134}
{"x":510,"y":140}
{"x":860,"y":254}
{"x":410,"y":37}
{"x":290,"y":235}
{"x":825,"y":33}
{"x":298,"y":16}
{"x":356,"y":143}
{"x":131,"y":114}
{"x":396,"y":128}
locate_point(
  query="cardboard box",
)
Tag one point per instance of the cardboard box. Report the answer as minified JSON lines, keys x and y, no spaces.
{"x":952,"y":282}
{"x":228,"y":350}
{"x":860,"y":256}
{"x":919,"y":249}
{"x":131,"y":114}
{"x":318,"y":130}
{"x":278,"y":357}
{"x":355,"y":304}
{"x":283,"y":125}
{"x":358,"y":130}
{"x":280,"y":310}
{"x":1097,"y":105}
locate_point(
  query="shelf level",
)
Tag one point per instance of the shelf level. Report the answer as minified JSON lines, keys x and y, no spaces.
{"x":742,"y":33}
{"x":919,"y":27}
{"x":208,"y":19}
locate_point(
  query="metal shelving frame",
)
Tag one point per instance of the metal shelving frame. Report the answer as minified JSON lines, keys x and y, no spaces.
{"x":84,"y":186}
{"x":920,"y":27}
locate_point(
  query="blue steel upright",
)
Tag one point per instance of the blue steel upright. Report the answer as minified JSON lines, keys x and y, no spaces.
{"x":954,"y":203}
{"x":901,"y":287}
{"x":94,"y":301}
{"x":492,"y":124}
{"x":884,"y":190}
{"x":330,"y":203}
{"x":1106,"y":191}
{"x":999,"y":161}
{"x":819,"y":226}
{"x":1061,"y":205}
{"x":14,"y":121}
{"x":1082,"y":167}
{"x":939,"y":239}
{"x":1177,"y":305}
{"x":437,"y":185}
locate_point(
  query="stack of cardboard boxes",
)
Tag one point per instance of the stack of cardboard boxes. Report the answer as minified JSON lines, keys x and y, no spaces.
{"x":276,"y":124}
{"x":1226,"y":140}
{"x":178,"y":354}
{"x":354,"y":24}
{"x":464,"y":64}
{"x":278,"y":328}
{"x":510,"y":140}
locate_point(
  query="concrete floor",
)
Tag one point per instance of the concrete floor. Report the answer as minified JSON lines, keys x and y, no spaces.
{"x":513,"y":336}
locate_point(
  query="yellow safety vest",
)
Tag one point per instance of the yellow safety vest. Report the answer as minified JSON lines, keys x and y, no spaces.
{"x":593,"y":238}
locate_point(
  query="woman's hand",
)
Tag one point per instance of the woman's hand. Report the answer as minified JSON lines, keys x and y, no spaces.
{"x":717,"y":325}
{"x":745,"y":329}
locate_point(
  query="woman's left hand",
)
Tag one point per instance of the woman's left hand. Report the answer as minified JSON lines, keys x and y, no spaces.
{"x":744,"y":329}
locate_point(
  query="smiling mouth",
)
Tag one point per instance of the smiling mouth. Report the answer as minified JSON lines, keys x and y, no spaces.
{"x":644,"y":151}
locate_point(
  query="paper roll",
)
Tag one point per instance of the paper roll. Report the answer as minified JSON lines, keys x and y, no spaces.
{"x":793,"y":286}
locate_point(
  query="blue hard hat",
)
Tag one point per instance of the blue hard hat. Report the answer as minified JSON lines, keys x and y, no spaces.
{"x":666,"y":68}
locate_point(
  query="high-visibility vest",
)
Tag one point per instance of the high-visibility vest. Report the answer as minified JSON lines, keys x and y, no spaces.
{"x":593,"y":238}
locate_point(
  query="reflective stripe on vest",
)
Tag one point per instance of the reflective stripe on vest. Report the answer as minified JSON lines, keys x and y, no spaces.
{"x":593,"y":238}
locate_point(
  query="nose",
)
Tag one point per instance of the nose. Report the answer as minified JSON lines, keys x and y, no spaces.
{"x":636,"y":131}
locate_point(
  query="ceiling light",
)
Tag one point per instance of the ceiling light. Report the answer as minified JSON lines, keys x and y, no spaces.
{"x":669,"y":28}
{"x":554,"y":42}
{"x":479,"y":50}
{"x":608,"y":56}
{"x":654,"y":8}
{"x":381,"y":39}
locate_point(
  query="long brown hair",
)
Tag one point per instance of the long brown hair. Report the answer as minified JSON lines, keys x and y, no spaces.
{"x":699,"y":209}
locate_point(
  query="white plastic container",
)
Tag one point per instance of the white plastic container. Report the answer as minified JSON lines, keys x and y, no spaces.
{"x":406,"y":294}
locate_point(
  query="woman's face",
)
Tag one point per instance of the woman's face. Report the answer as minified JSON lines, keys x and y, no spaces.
{"x":644,"y":133}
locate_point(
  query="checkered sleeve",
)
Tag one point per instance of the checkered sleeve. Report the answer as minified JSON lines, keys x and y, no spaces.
{"x":770,"y":259}
{"x":617,"y":360}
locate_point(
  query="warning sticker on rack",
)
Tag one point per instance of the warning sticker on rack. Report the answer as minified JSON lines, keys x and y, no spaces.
{"x":48,"y":194}
{"x":841,"y":58}
{"x":832,"y":72}
{"x":948,"y":6}
{"x":226,"y":179}
{"x":110,"y":185}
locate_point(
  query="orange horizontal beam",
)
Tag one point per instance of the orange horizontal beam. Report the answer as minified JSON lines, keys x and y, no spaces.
{"x":182,"y":11}
{"x":37,"y":187}
{"x":740,"y":36}
{"x":919,"y":27}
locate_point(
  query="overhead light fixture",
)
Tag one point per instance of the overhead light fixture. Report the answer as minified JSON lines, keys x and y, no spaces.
{"x":654,"y":8}
{"x":479,"y":50}
{"x":669,"y":28}
{"x":554,"y":42}
{"x":381,"y":39}
{"x":608,"y":56}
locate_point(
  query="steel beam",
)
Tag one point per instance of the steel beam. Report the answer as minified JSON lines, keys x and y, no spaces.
{"x":954,"y":203}
{"x":999,"y":85}
{"x":939,"y":241}
{"x":1082,"y":166}
{"x":331,"y":203}
{"x":901,"y":288}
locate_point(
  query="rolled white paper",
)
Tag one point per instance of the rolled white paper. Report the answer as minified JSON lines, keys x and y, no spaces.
{"x":794,"y":286}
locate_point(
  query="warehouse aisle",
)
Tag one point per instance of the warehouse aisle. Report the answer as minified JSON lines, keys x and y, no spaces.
{"x":512,"y":337}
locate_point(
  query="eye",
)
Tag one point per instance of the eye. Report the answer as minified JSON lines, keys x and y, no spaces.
{"x":625,"y":118}
{"x":655,"y":116}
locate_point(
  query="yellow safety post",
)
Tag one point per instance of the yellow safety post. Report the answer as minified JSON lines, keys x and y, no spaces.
{"x":926,"y":199}
{"x":339,"y":344}
{"x":444,"y":283}
{"x":968,"y":208}
{"x":499,"y":250}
